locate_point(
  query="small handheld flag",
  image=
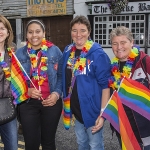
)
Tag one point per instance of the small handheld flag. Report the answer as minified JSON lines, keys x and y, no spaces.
{"x":115,"y":114}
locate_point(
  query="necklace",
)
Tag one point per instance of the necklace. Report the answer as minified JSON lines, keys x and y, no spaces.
{"x":77,"y":64}
{"x":5,"y":66}
{"x":115,"y":79}
{"x":43,"y":63}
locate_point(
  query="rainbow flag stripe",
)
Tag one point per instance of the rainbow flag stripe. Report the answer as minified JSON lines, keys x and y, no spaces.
{"x":19,"y":86}
{"x":136,"y":96}
{"x":111,"y":113}
{"x":129,"y":141}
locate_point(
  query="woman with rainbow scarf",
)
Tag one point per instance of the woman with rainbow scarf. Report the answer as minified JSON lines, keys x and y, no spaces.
{"x":132,"y":63}
{"x":86,"y":69}
{"x":39,"y":115}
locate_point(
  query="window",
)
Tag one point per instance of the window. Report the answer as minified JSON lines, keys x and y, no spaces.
{"x":104,"y":24}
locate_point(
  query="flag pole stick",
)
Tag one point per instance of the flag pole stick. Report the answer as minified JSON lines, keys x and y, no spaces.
{"x":108,"y":102}
{"x":114,"y":91}
{"x":120,"y":84}
{"x":25,"y":72}
{"x":122,"y":81}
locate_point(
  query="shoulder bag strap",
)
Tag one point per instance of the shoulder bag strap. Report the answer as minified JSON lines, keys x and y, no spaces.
{"x":145,"y":69}
{"x":72,"y":84}
{"x":3,"y":86}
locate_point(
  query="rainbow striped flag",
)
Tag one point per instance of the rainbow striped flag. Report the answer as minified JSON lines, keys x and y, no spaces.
{"x":19,"y":86}
{"x":136,"y":96}
{"x":115,"y":114}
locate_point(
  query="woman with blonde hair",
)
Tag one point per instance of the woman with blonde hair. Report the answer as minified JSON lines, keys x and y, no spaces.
{"x":8,"y":130}
{"x":134,"y":64}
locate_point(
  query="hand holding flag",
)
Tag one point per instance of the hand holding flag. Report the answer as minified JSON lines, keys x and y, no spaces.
{"x":115,"y":114}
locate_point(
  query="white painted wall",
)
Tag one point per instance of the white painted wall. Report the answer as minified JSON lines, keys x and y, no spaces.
{"x":109,"y":52}
{"x":148,"y":51}
{"x":80,"y":8}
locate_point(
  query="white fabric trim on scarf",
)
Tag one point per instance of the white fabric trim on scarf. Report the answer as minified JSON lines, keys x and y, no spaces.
{"x":146,"y":141}
{"x":138,"y":74}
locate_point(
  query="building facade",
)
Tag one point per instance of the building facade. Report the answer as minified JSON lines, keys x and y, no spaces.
{"x":56,"y":15}
{"x":135,"y":16}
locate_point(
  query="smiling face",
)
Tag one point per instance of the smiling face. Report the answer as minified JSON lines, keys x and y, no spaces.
{"x":3,"y":33}
{"x":121,"y":47}
{"x":35,"y":35}
{"x":79,"y":34}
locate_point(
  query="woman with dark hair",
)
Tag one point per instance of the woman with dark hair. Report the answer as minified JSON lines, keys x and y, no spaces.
{"x":8,"y":130}
{"x":39,"y":116}
{"x":86,"y":69}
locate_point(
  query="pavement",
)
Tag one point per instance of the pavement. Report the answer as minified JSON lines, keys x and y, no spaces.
{"x":66,"y":139}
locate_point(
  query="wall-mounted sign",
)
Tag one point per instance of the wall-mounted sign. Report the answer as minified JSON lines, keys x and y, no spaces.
{"x":46,"y":7}
{"x":132,"y":7}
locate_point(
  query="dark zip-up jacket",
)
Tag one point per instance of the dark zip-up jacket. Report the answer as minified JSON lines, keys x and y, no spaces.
{"x":141,"y":73}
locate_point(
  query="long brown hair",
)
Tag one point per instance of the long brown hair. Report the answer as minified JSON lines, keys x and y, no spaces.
{"x":9,"y":39}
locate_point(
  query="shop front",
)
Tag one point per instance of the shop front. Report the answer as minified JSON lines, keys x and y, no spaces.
{"x":135,"y":16}
{"x":56,"y":15}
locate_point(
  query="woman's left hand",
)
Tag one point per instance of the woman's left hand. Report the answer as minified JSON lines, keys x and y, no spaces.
{"x":50,"y":100}
{"x":98,"y":124}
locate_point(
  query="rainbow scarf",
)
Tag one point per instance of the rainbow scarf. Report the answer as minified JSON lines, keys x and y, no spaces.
{"x":115,"y":114}
{"x":67,"y":113}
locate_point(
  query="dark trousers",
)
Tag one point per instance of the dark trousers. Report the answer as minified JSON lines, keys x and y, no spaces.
{"x":39,"y":124}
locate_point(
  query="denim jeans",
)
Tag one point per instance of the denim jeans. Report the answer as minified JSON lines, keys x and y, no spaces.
{"x":9,"y":135}
{"x":86,"y":140}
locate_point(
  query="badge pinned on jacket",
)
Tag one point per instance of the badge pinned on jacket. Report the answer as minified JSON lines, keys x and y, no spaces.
{"x":56,"y":66}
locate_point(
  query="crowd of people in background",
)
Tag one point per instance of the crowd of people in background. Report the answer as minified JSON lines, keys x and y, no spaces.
{"x":75,"y":82}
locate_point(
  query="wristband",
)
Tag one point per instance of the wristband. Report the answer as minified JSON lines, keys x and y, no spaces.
{"x":102,"y":109}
